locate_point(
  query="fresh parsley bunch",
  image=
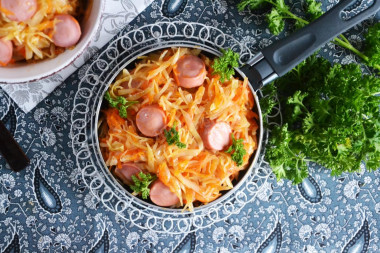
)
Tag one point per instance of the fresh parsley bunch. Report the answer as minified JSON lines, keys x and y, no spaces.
{"x":120,"y":102}
{"x":332,"y":117}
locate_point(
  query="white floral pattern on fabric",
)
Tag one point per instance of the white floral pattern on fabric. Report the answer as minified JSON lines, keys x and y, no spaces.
{"x":280,"y":218}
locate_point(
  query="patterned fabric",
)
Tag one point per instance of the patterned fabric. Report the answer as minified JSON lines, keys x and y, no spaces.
{"x":48,"y":208}
{"x":115,"y":16}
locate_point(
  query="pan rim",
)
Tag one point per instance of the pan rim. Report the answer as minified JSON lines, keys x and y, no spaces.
{"x":247,"y":171}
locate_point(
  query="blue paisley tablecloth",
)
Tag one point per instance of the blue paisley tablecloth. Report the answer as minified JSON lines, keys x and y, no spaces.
{"x":48,"y":208}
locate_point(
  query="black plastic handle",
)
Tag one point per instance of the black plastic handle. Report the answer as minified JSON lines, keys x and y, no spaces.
{"x":11,"y":151}
{"x":283,"y":55}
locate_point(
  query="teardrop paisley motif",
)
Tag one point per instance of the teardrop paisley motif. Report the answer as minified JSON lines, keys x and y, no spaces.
{"x":310,"y":190}
{"x":360,"y":242}
{"x":103,"y":245}
{"x":45,"y":194}
{"x":172,"y":8}
{"x":273,"y":243}
{"x":187,"y":244}
{"x":10,"y":120}
{"x":14,"y":246}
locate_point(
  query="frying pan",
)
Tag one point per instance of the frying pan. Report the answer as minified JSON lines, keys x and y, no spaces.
{"x":271,"y":63}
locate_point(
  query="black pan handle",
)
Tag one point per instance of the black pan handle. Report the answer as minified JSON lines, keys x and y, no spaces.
{"x":283,"y":55}
{"x":11,"y":151}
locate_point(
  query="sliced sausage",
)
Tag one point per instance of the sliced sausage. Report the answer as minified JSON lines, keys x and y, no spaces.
{"x":190,"y":71}
{"x":67,"y":31}
{"x":6,"y":51}
{"x":126,"y":172}
{"x":19,"y":10}
{"x":216,"y":135}
{"x":161,"y":195}
{"x":151,"y":120}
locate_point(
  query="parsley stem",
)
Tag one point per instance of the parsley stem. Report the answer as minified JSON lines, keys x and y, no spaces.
{"x":349,"y":46}
{"x":342,"y":41}
{"x":289,"y":13}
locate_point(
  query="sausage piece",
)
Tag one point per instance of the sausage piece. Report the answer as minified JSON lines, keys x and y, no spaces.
{"x":216,"y":135}
{"x":67,"y":31}
{"x":151,"y":120}
{"x":6,"y":51}
{"x":189,"y":71}
{"x":19,"y":10}
{"x":126,"y":172}
{"x":161,"y":195}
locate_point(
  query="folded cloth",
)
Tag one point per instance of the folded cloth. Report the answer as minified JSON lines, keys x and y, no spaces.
{"x":116,"y":15}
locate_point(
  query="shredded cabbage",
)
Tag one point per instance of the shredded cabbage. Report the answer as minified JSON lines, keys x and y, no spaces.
{"x":194,"y":174}
{"x":32,"y":39}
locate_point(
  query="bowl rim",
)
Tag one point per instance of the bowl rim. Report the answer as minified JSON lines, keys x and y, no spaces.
{"x":99,"y":4}
{"x":253,"y":159}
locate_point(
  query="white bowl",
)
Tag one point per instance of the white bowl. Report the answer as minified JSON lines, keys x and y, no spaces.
{"x":27,"y":72}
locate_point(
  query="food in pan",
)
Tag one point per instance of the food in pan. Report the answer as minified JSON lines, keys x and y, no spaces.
{"x":171,"y":130}
{"x":32,"y":30}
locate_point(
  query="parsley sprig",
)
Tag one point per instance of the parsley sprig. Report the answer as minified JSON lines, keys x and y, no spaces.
{"x":237,"y":151}
{"x":225,"y":64}
{"x":172,"y":137}
{"x":120,"y":103}
{"x":141,"y":184}
{"x":281,"y":11}
{"x":332,"y":118}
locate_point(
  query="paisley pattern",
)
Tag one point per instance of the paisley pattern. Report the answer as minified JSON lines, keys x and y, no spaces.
{"x":14,"y":246}
{"x":48,"y":208}
{"x":273,"y":242}
{"x":103,"y":244}
{"x":45,"y":194}
{"x":359,"y":243}
{"x":172,"y":8}
{"x":187,"y":244}
{"x":310,"y":190}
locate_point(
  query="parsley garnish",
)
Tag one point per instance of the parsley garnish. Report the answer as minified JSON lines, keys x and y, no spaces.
{"x":225,"y":64}
{"x":172,"y":137}
{"x":237,"y":151}
{"x":331,"y":118}
{"x":141,"y":184}
{"x":120,"y":102}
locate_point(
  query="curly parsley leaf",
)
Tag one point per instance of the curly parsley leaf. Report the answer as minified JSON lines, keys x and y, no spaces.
{"x":252,"y":4}
{"x":276,"y":23}
{"x":372,"y":46}
{"x":332,"y":118}
{"x":268,"y":102}
{"x":225,"y":64}
{"x":141,"y":184}
{"x":237,"y":151}
{"x":120,"y":102}
{"x":172,"y":137}
{"x":112,"y":102}
{"x":314,"y":9}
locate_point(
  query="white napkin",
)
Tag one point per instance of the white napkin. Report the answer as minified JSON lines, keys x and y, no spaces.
{"x":116,"y":14}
